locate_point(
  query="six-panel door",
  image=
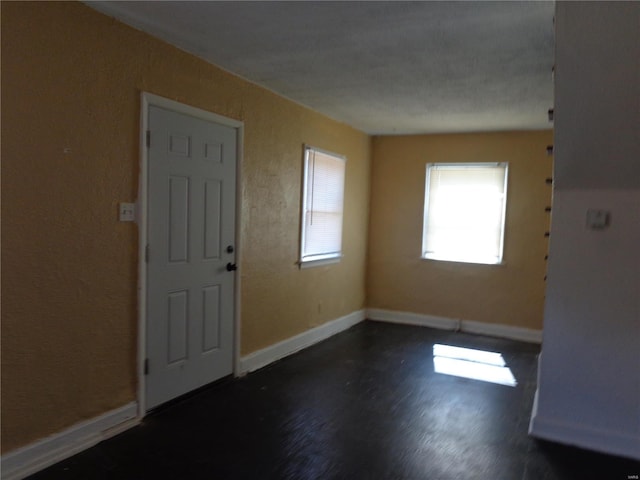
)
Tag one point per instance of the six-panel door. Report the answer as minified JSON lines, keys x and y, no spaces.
{"x":191,"y":224}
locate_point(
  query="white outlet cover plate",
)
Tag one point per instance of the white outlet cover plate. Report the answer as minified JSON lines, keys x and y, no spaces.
{"x":127,"y":212}
{"x":597,"y":219}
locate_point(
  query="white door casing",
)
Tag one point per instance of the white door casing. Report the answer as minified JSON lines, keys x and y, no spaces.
{"x":190,"y":295}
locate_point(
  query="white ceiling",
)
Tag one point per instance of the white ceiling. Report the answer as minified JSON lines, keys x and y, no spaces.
{"x":381,"y":67}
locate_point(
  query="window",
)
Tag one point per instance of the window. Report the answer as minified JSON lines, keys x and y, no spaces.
{"x":464,"y":212}
{"x":322,"y":204}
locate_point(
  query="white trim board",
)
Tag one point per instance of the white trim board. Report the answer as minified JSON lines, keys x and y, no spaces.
{"x":579,"y":435}
{"x":43,"y":453}
{"x":469,"y":326}
{"x":264,"y":357}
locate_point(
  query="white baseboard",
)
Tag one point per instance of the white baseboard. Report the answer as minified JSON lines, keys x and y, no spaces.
{"x":469,"y":326}
{"x":534,"y":410}
{"x":583,"y":436}
{"x":504,"y":331}
{"x":43,"y":453}
{"x":416,"y":319}
{"x":264,"y":357}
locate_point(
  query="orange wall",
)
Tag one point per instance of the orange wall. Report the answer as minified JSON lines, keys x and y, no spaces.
{"x":398,"y":279}
{"x":71,"y":83}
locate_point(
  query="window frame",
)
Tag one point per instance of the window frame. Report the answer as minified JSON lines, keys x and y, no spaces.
{"x":306,"y":261}
{"x":427,"y":194}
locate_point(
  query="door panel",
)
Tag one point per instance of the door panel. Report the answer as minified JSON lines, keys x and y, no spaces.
{"x":211,"y":317}
{"x":178,"y":216}
{"x":212,"y":220}
{"x":177,"y":326}
{"x":191,"y":221}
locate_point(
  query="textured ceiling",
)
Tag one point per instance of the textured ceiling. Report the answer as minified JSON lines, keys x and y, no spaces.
{"x":382,"y":67}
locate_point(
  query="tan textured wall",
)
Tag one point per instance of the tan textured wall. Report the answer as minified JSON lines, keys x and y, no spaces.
{"x":398,"y":279}
{"x":71,"y":83}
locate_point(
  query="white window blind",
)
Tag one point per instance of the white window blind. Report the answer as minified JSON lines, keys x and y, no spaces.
{"x":323,"y":199}
{"x":464,"y":212}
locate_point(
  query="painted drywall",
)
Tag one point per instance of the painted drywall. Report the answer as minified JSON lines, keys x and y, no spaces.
{"x":398,"y":279}
{"x":71,"y":83}
{"x":589,"y":376}
{"x":597,"y":100}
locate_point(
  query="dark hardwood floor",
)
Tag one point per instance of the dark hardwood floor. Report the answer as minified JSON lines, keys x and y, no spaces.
{"x":365,"y":404}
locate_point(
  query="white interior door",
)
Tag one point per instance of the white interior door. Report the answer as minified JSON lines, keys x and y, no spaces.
{"x":191,"y":258}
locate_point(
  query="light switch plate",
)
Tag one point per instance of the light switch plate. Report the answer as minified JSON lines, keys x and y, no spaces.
{"x":127,"y":212}
{"x":597,"y":219}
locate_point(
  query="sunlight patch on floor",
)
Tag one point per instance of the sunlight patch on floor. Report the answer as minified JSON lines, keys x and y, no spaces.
{"x":474,"y":364}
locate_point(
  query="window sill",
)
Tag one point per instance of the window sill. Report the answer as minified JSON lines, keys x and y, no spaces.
{"x":466,"y":262}
{"x":319,"y":263}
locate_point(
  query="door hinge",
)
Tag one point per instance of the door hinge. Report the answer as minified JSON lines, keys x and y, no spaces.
{"x":146,"y":366}
{"x":148,"y":138}
{"x":146,"y":253}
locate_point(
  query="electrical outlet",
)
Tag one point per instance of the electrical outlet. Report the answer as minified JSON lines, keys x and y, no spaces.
{"x":127,"y":212}
{"x":597,"y":219}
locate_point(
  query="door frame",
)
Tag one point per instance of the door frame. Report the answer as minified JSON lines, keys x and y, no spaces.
{"x":146,"y":100}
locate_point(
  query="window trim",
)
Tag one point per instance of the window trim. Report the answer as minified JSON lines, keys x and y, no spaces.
{"x":326,"y":258}
{"x":423,"y":253}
